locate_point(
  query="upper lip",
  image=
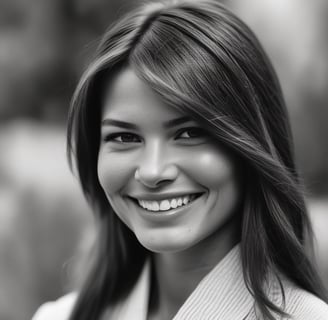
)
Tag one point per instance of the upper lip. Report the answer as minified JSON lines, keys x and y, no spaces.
{"x":162,"y":196}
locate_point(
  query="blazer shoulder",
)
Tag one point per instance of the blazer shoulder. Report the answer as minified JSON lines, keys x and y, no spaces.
{"x":303,"y":305}
{"x":59,"y":309}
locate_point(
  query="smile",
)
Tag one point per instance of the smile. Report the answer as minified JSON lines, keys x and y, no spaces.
{"x":166,"y":204}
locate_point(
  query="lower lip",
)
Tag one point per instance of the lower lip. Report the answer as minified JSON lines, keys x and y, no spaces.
{"x":169,"y":214}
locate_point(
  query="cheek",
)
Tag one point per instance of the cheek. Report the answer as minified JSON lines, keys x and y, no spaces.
{"x":212,"y":167}
{"x":114,"y":171}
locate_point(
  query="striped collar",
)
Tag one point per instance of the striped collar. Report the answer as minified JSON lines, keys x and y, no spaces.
{"x":221,"y":294}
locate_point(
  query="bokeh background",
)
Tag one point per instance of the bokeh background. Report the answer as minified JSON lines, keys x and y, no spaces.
{"x":46,"y":227}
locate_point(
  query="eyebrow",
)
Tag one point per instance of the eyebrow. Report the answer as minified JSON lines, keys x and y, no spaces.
{"x":118,"y":123}
{"x":132,"y":126}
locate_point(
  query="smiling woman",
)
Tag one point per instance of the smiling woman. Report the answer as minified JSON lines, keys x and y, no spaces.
{"x":163,"y":175}
{"x":182,"y":144}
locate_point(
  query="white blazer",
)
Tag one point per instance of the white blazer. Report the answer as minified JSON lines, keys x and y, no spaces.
{"x":221,"y":295}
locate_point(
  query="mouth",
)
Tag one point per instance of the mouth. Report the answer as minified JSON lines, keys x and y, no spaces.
{"x":166,"y":205}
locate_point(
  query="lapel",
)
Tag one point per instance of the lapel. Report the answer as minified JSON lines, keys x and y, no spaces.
{"x":221,"y":295}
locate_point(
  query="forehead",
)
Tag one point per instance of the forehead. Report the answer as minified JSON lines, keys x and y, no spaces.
{"x":128,"y":97}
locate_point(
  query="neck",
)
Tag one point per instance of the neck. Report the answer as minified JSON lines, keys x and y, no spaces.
{"x":178,"y":274}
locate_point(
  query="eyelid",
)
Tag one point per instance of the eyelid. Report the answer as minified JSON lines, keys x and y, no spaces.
{"x":111,"y":136}
{"x":182,"y":130}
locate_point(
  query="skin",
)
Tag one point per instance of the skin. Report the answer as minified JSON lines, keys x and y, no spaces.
{"x":152,"y":161}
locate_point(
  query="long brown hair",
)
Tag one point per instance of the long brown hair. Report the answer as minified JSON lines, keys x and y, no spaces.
{"x":202,"y":60}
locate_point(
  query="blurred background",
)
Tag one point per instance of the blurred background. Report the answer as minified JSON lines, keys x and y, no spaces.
{"x":46,"y":227}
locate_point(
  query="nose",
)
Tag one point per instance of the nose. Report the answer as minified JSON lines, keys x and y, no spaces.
{"x":156,"y":166}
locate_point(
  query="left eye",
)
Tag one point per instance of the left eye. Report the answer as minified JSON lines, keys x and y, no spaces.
{"x":122,"y":137}
{"x":189,"y":133}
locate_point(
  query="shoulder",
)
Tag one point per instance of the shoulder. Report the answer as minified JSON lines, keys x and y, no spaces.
{"x":303,"y":305}
{"x":57,"y":310}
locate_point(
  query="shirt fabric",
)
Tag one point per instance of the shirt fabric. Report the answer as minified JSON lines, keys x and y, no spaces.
{"x":221,"y":295}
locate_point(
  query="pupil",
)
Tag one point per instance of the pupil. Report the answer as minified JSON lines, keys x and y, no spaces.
{"x":127,"y":138}
{"x":194,"y":133}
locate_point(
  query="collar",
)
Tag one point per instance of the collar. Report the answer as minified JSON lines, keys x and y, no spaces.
{"x":222,"y":294}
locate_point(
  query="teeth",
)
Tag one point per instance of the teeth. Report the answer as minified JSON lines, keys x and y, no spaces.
{"x":174,"y":203}
{"x":166,"y":204}
{"x":155,"y":206}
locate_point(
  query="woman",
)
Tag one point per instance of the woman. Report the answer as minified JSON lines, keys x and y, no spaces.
{"x":182,"y":144}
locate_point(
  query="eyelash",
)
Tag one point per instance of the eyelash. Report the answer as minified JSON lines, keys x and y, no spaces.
{"x":200,"y":132}
{"x":111,"y":137}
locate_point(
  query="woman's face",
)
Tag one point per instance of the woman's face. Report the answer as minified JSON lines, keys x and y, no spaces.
{"x":167,"y":180}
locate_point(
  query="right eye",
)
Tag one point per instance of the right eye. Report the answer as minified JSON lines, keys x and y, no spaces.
{"x":122,"y":137}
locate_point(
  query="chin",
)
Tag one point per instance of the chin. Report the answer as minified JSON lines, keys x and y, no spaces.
{"x":166,"y":244}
